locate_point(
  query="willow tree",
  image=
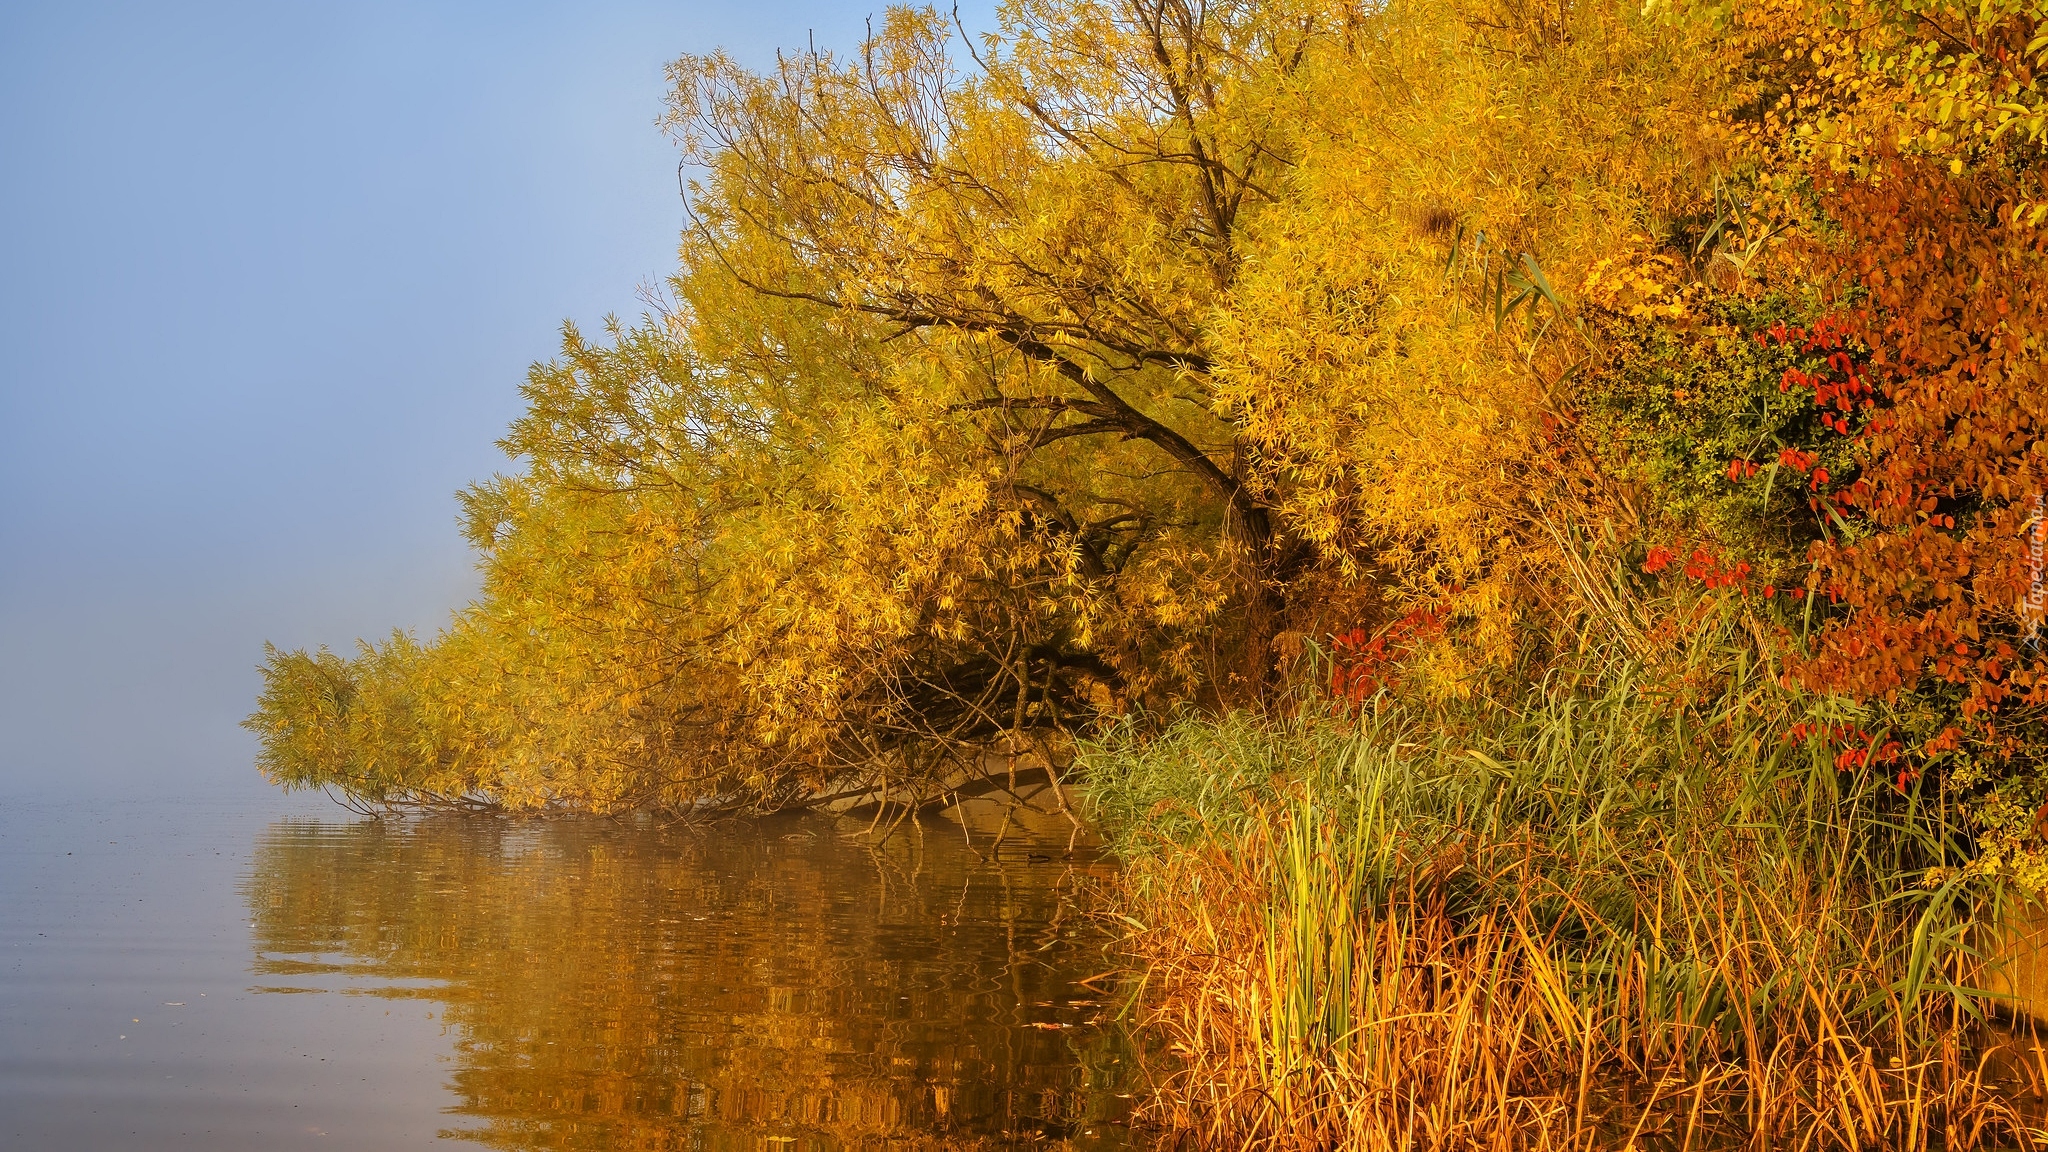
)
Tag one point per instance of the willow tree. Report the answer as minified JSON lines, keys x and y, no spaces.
{"x":1043,"y":244}
{"x":1008,"y":386}
{"x":922,"y":451}
{"x":1415,"y":322}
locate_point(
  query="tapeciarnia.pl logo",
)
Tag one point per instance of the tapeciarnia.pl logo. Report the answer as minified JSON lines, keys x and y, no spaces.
{"x":2037,"y":587}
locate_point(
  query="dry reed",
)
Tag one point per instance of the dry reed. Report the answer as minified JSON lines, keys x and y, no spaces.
{"x":1619,"y":920}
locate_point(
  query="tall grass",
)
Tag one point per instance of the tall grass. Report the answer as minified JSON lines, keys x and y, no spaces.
{"x":1624,"y":912}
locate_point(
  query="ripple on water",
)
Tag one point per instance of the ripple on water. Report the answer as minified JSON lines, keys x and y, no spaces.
{"x":567,"y":983}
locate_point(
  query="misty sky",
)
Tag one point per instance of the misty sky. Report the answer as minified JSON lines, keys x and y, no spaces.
{"x":270,"y":276}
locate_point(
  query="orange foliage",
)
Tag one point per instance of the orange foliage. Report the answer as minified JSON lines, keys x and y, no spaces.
{"x":1366,"y":662}
{"x":1953,"y":307}
{"x":1902,"y":148}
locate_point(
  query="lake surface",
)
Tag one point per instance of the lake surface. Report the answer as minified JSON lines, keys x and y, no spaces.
{"x":272,"y":973}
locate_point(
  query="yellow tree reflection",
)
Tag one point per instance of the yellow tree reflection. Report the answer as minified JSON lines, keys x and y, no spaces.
{"x":621,"y":986}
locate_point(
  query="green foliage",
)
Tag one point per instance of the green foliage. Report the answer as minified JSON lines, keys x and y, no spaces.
{"x":1200,"y":778}
{"x":1693,"y":418}
{"x":1607,"y":760}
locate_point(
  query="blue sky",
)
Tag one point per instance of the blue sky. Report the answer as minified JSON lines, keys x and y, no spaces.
{"x":270,"y":276}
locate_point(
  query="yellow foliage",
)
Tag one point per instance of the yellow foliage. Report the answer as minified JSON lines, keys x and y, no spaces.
{"x":1100,"y":370}
{"x":1454,"y":163}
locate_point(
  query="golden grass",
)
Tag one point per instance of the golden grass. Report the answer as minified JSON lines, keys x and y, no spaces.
{"x":1304,"y":1025}
{"x":1613,"y":927}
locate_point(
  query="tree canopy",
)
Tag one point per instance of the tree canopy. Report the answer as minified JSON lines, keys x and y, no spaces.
{"x":1113,"y":361}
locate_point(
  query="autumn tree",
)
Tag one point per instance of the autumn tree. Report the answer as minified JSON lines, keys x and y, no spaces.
{"x":1058,"y":230}
{"x":1108,"y":362}
{"x":923,"y":451}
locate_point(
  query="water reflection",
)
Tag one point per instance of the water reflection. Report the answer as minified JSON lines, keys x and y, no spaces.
{"x":776,"y":985}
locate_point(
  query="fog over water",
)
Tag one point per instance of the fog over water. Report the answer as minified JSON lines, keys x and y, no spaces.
{"x":270,"y":275}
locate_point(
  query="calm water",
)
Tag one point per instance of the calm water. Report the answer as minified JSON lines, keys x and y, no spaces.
{"x":274,"y":974}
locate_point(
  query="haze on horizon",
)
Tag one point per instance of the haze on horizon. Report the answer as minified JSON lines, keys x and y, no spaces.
{"x":270,"y":279}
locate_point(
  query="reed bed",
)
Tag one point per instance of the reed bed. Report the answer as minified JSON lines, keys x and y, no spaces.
{"x":1616,"y":917}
